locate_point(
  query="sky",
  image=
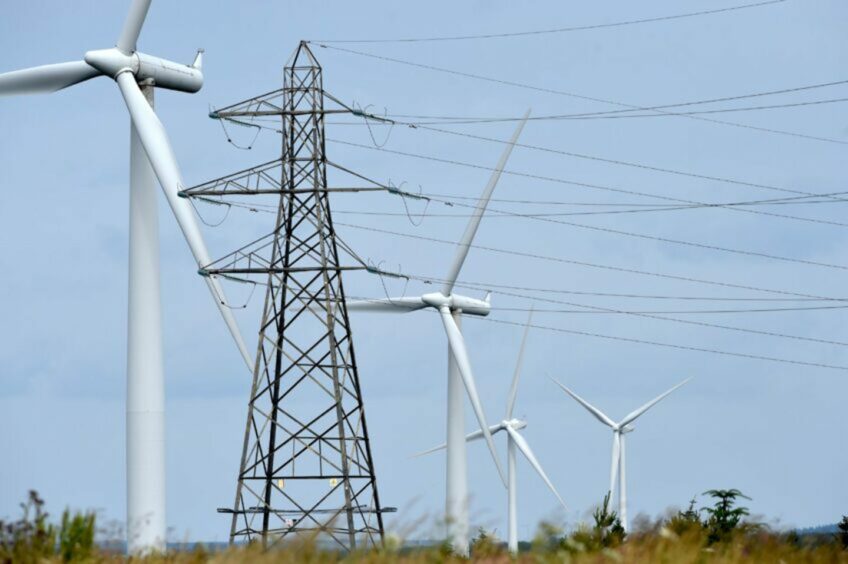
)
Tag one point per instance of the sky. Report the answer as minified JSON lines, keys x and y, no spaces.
{"x":775,"y":430}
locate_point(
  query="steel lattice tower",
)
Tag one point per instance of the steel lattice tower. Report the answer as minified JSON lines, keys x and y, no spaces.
{"x":306,"y":465}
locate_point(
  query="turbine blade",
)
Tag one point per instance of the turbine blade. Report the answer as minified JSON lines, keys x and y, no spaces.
{"x":470,"y":437}
{"x":635,"y":414}
{"x":386,"y":305}
{"x":513,"y":390}
{"x":161,"y":156}
{"x":460,"y":354}
{"x":474,"y":223}
{"x":591,"y":408}
{"x":430,"y":450}
{"x":132,"y":26}
{"x":528,"y":454}
{"x":46,"y":79}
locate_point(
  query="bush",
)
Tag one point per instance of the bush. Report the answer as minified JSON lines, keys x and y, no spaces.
{"x":32,"y":539}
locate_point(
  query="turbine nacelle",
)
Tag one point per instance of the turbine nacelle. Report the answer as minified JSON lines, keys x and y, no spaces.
{"x":514,"y":424}
{"x":456,"y":302}
{"x":162,"y":73}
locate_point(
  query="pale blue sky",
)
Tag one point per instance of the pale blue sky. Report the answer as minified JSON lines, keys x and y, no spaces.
{"x":773,"y":430}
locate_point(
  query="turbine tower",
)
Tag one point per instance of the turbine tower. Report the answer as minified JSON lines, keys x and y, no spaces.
{"x":618,"y":431}
{"x":151,"y":157}
{"x":451,"y":306}
{"x":515,"y":441}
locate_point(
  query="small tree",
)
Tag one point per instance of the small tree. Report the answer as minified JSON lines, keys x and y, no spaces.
{"x":842,"y":535}
{"x":606,"y":532}
{"x":724,"y":516}
{"x":608,"y":528}
{"x":485,"y":544}
{"x":685,"y":522}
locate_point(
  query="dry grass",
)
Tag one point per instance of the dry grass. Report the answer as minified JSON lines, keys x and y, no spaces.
{"x":659,"y":547}
{"x":678,"y":538}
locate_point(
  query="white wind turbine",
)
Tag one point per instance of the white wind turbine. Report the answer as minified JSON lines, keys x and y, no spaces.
{"x":618,"y":431}
{"x":514,"y":441}
{"x":451,"y":306}
{"x":151,"y":157}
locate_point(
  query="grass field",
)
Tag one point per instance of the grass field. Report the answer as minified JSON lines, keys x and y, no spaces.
{"x":719,"y":533}
{"x":647,"y":548}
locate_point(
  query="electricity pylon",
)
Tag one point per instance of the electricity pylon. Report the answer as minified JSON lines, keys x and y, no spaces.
{"x":306,"y":466}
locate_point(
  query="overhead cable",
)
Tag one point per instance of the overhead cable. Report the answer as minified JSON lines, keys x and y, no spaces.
{"x":576,"y":96}
{"x":836,"y":196}
{"x":661,"y":344}
{"x":557,"y":30}
{"x":575,"y":262}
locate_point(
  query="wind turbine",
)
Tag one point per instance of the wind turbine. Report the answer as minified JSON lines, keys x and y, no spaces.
{"x":451,"y":306}
{"x":618,"y":431}
{"x":512,"y":426}
{"x":150,"y":156}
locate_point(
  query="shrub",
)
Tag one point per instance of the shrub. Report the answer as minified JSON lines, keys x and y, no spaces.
{"x":31,"y":538}
{"x":724,"y":516}
{"x":76,"y":536}
{"x":842,"y":535}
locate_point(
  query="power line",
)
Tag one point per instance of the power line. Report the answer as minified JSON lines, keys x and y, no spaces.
{"x":562,"y":260}
{"x":798,"y":200}
{"x":687,"y":348}
{"x":508,"y":215}
{"x":668,"y":240}
{"x":489,"y":285}
{"x":660,"y":239}
{"x":727,"y":110}
{"x":557,"y":30}
{"x":613,"y":114}
{"x":645,"y":312}
{"x":612,"y":189}
{"x":484,"y":286}
{"x":619,"y":162}
{"x":574,"y":95}
{"x":661,"y":344}
{"x":657,"y":316}
{"x":690,"y":203}
{"x":684,"y":311}
{"x":831,"y":195}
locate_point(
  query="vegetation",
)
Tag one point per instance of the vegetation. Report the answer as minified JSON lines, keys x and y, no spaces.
{"x":717,"y":533}
{"x":724,"y":517}
{"x":33,"y":539}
